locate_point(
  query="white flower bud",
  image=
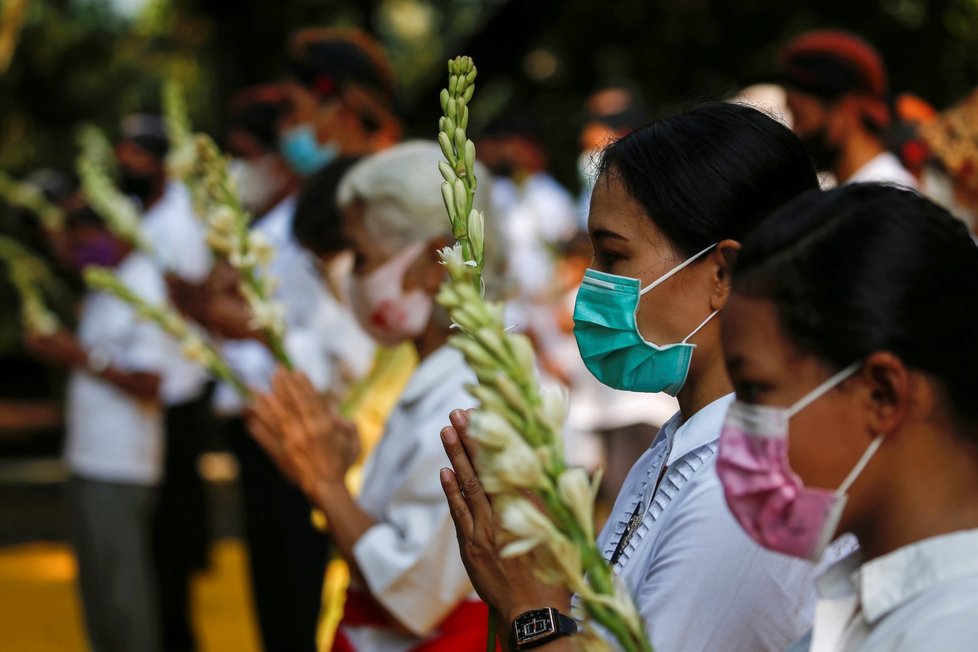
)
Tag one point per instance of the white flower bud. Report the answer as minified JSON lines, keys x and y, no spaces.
{"x":476,"y":233}
{"x":574,"y":488}
{"x":446,"y":147}
{"x":448,"y":196}
{"x":444,"y":97}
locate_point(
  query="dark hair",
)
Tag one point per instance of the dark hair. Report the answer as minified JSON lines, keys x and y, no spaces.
{"x":867,"y":268}
{"x":318,"y":221}
{"x":711,"y":172}
{"x":256,"y":111}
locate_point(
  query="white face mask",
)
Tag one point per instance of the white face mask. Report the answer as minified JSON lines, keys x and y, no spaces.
{"x":257,"y":180}
{"x":384,"y":310}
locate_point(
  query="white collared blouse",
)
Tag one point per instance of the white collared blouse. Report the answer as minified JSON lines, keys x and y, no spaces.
{"x":919,"y":598}
{"x":700,"y":583}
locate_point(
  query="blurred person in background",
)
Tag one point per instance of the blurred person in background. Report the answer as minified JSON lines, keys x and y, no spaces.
{"x":610,"y":112}
{"x":536,"y":215}
{"x":287,"y":554}
{"x":180,"y":537}
{"x":839,"y":96}
{"x":953,"y":142}
{"x":114,"y":446}
{"x":337,"y":101}
{"x":409,"y":589}
{"x":341,"y":99}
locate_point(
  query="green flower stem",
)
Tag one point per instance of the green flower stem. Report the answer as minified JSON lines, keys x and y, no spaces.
{"x":100,"y":278}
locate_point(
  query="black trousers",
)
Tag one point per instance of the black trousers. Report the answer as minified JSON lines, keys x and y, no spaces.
{"x":180,"y":526}
{"x":287,"y":554}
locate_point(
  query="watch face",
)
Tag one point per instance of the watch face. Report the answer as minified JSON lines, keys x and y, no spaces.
{"x":534,"y":625}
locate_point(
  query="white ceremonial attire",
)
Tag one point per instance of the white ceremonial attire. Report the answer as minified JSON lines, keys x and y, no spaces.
{"x":410,"y":558}
{"x":111,"y":435}
{"x":700,"y":583}
{"x":884,"y":168}
{"x":321,"y":336}
{"x":918,"y":598}
{"x":178,"y":239}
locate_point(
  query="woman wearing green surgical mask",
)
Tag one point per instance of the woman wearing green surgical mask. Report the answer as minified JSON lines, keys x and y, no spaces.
{"x":669,"y":208}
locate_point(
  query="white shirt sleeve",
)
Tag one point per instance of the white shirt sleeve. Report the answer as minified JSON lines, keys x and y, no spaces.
{"x":711,"y":571}
{"x":414,"y":552}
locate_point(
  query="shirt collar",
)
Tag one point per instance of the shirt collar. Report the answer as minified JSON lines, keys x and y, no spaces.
{"x":889,"y":581}
{"x":434,"y":370}
{"x":700,"y":429}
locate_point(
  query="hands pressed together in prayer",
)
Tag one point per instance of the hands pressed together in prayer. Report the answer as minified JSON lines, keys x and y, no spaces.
{"x":509,"y":585}
{"x":304,"y":434}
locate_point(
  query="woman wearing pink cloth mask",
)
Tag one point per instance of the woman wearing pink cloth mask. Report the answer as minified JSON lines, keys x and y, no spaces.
{"x":850,"y":336}
{"x":409,"y":589}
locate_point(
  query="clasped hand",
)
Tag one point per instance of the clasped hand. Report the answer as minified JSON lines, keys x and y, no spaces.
{"x":304,"y":433}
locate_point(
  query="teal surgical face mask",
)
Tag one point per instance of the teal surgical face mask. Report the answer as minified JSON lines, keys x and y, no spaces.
{"x":610,"y":343}
{"x":303,"y":152}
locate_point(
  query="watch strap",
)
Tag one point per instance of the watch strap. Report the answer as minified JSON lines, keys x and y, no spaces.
{"x":563,"y":626}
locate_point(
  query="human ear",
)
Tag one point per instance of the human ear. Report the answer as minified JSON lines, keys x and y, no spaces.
{"x":722,"y":260}
{"x":888,"y":394}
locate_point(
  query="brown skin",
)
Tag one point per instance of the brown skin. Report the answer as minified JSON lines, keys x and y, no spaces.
{"x":63,"y":349}
{"x":339,"y":119}
{"x":303,"y":432}
{"x":888,"y":507}
{"x":625,"y":242}
{"x":844,"y":129}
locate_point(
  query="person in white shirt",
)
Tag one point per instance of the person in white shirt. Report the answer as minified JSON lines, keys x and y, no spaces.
{"x":179,"y":249}
{"x":839,"y":97}
{"x":668,"y":211}
{"x":409,"y":586}
{"x":287,"y":554}
{"x":856,"y":412}
{"x":114,"y":444}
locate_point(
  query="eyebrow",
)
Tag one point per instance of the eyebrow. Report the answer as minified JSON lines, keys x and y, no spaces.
{"x":601,"y":234}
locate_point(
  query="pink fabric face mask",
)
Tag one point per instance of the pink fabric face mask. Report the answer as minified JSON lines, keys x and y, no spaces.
{"x":384,"y":310}
{"x":765,"y":496}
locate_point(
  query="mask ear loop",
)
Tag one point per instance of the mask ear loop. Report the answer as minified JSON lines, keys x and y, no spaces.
{"x":698,"y":328}
{"x":860,"y":465}
{"x":819,"y":391}
{"x":675,"y":270}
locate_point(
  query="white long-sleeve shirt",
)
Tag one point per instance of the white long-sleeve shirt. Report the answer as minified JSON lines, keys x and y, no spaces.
{"x":699,"y":582}
{"x":923,"y":596}
{"x":410,"y":558}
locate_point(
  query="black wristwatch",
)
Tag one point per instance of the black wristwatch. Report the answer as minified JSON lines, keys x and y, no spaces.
{"x":539,"y":626}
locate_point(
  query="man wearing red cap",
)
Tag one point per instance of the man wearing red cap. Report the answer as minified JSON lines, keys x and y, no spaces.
{"x":838,"y":93}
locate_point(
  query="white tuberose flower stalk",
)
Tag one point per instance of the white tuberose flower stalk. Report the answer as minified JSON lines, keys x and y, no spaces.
{"x":193,"y":343}
{"x":517,"y":425}
{"x":28,"y":196}
{"x":28,"y":274}
{"x":196,"y":160}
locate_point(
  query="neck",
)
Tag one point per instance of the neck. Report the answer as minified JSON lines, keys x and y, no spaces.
{"x":909,"y":511}
{"x":432,"y":339}
{"x":707,"y":380}
{"x":858,"y":150}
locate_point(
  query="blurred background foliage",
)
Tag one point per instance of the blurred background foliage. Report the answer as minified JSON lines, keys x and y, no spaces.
{"x":94,"y":61}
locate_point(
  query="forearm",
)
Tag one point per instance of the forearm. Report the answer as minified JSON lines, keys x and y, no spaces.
{"x":347,"y":520}
{"x":140,"y":385}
